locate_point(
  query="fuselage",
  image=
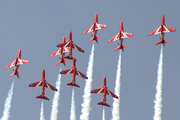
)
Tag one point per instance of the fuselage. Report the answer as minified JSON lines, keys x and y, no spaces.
{"x":104,"y":94}
{"x":43,"y":83}
{"x":94,"y":27}
{"x":61,"y":49}
{"x":70,"y":47}
{"x":162,"y":28}
{"x":74,"y":71}
{"x":120,"y":35}
{"x":16,"y":67}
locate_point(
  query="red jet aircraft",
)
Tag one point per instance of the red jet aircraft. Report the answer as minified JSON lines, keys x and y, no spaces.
{"x":61,"y":51}
{"x":94,"y":28}
{"x":121,"y":34}
{"x":70,"y":44}
{"x":104,"y":91}
{"x":43,"y":84}
{"x":73,"y":71}
{"x":161,"y":30}
{"x":18,"y":61}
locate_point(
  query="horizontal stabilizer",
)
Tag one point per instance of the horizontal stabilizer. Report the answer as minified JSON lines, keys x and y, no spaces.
{"x":160,"y":42}
{"x":42,"y":97}
{"x":120,"y":48}
{"x":71,"y":84}
{"x":101,"y":103}
{"x":96,"y":38}
{"x":61,"y":62}
{"x":11,"y":75}
{"x":14,"y":74}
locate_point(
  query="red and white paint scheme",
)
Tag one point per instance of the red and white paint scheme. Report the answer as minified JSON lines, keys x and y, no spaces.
{"x":121,"y":34}
{"x":70,"y":45}
{"x":61,"y":51}
{"x":161,"y":30}
{"x":16,"y":63}
{"x":104,"y":91}
{"x":73,"y":71}
{"x":94,"y":29}
{"x":43,"y":84}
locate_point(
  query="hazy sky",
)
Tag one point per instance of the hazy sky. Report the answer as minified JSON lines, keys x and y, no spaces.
{"x":38,"y":26}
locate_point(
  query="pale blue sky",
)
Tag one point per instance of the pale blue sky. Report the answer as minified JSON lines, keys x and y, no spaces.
{"x":38,"y":26}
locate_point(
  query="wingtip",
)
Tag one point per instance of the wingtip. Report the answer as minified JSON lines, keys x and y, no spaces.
{"x":150,"y":34}
{"x":109,"y":41}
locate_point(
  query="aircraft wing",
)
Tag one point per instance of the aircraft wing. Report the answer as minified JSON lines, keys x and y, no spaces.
{"x":39,"y":84}
{"x":116,"y":37}
{"x":67,"y":45}
{"x":81,"y":74}
{"x":59,"y":52}
{"x":10,"y":65}
{"x":36,"y":84}
{"x":69,"y":71}
{"x":88,"y":30}
{"x":100,"y":26}
{"x":77,"y":48}
{"x":47,"y":85}
{"x":100,"y":91}
{"x":156,"y":31}
{"x":168,"y":29}
{"x":165,"y":29}
{"x":97,"y":27}
{"x":21,"y":61}
{"x":123,"y":35}
{"x":62,"y":44}
{"x":108,"y":92}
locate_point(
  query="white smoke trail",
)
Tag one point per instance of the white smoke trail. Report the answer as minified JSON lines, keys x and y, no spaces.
{"x":7,"y":104}
{"x":87,"y":90}
{"x":73,"y":108}
{"x":55,"y":103}
{"x":116,"y":103}
{"x":42,"y":111}
{"x":158,"y":97}
{"x":103,"y":116}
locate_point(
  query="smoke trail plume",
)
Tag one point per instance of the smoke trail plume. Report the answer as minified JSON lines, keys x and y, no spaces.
{"x":87,"y":90}
{"x":103,"y":116}
{"x":55,"y":103}
{"x":158,"y":97}
{"x":73,"y":108}
{"x":42,"y":111}
{"x":116,"y":103}
{"x":7,"y":105}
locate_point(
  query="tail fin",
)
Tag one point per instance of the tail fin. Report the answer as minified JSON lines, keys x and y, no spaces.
{"x":160,"y":42}
{"x":15,"y":74}
{"x":63,"y":61}
{"x":101,"y":103}
{"x":96,"y":38}
{"x":42,"y":97}
{"x":71,"y":84}
{"x":120,"y":48}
